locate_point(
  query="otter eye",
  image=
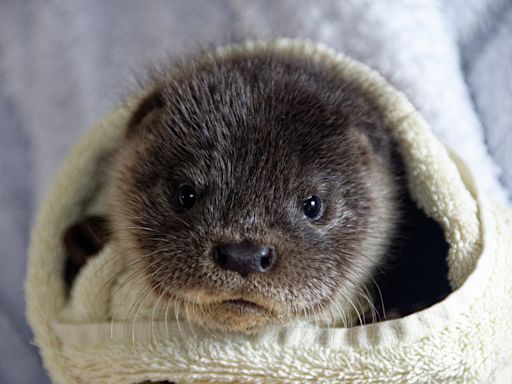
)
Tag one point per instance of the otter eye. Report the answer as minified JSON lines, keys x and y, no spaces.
{"x":312,"y":207}
{"x":186,"y":196}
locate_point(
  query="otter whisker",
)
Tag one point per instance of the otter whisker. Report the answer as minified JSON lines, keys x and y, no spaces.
{"x":362,"y":299}
{"x":201,"y":323}
{"x":170,"y":298}
{"x":114,"y":313}
{"x":138,"y":228}
{"x":187,"y":317}
{"x":359,"y":316}
{"x":136,"y":306}
{"x":380,"y":297}
{"x":155,"y":307}
{"x":114,"y":256}
{"x":176,"y":311}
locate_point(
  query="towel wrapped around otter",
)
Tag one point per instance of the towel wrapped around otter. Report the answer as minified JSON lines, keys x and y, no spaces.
{"x":94,"y":335}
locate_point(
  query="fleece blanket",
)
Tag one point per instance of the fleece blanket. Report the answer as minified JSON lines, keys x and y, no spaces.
{"x":464,"y":338}
{"x":65,"y":64}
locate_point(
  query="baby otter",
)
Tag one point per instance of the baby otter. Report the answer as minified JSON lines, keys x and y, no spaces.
{"x":259,"y":188}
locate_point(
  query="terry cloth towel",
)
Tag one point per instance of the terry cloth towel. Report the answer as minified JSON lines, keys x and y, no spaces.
{"x":93,"y":335}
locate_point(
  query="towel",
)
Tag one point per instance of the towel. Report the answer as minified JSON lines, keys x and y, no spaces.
{"x":85,"y":337}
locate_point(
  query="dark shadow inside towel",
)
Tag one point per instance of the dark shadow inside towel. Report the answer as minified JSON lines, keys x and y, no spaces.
{"x":416,"y":273}
{"x":82,"y":241}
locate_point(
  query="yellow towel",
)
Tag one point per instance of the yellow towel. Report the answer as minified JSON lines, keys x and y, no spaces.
{"x":93,"y":336}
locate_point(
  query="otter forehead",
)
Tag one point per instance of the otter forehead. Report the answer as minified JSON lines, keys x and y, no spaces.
{"x":260,"y":99}
{"x":258,"y":115}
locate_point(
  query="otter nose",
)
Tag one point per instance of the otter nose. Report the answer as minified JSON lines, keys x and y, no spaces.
{"x":245,"y":257}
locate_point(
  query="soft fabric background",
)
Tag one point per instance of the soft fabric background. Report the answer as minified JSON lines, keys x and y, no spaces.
{"x":65,"y":64}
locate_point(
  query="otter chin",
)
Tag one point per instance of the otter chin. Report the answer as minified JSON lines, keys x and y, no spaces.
{"x":257,"y":188}
{"x":231,"y":313}
{"x":237,"y":315}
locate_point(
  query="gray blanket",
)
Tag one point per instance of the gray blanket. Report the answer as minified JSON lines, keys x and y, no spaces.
{"x":65,"y":64}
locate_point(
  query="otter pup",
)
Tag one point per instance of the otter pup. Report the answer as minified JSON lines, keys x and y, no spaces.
{"x":260,"y":188}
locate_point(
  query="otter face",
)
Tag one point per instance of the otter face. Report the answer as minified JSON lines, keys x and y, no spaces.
{"x":257,"y":189}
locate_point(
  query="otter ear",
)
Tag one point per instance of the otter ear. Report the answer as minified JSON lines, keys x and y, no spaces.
{"x":150,"y":103}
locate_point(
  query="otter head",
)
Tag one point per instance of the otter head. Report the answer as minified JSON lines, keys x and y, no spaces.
{"x":257,"y":189}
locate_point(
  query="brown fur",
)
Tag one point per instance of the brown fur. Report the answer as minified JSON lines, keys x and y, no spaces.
{"x":256,"y":134}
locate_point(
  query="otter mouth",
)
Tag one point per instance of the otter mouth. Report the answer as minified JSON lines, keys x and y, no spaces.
{"x":238,"y":315}
{"x":230,"y":314}
{"x":241,"y":305}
